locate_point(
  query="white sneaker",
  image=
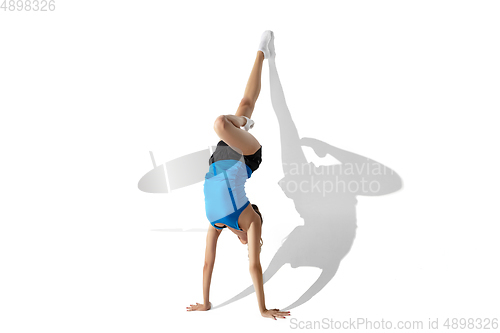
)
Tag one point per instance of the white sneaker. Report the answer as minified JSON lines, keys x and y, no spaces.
{"x":266,"y":37}
{"x":249,"y":124}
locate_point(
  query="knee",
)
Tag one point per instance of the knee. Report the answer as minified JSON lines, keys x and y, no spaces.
{"x":219,"y":123}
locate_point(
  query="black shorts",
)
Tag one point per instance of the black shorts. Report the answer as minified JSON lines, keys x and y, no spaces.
{"x":222,"y":153}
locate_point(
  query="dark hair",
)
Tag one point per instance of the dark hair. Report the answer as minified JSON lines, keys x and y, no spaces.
{"x":256,"y":209}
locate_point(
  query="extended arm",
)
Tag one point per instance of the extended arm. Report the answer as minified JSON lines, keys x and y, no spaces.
{"x":208,"y":267}
{"x":255,"y":268}
{"x":254,"y":233}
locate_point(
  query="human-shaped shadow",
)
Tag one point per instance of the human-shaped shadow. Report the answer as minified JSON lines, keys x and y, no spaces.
{"x":325,"y":198}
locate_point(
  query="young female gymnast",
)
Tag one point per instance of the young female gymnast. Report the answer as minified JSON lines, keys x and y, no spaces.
{"x":237,"y":156}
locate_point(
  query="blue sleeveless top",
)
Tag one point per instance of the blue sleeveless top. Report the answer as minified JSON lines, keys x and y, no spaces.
{"x":224,"y":186}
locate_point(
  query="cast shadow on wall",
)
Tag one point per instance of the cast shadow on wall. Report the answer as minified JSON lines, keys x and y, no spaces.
{"x":324,"y":196}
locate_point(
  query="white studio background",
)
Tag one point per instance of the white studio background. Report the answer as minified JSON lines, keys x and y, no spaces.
{"x":88,"y":90}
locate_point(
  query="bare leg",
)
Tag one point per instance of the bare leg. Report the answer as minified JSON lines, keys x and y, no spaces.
{"x":227,"y":126}
{"x":252,"y":89}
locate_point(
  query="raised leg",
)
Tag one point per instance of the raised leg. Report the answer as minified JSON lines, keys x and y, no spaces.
{"x":228,"y":128}
{"x":252,"y":90}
